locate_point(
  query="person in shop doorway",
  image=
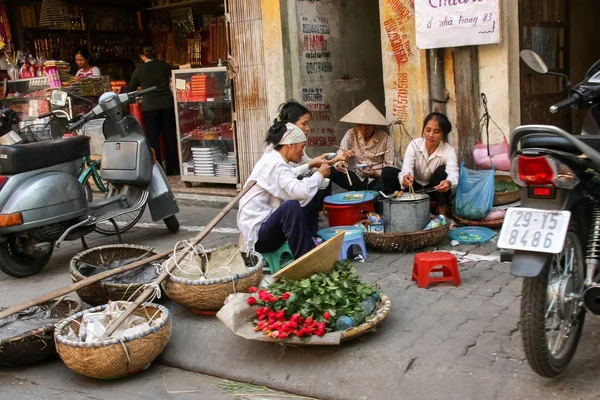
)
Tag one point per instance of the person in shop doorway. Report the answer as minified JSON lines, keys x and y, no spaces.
{"x":429,"y":163}
{"x":82,"y":59}
{"x":271,"y":213}
{"x":366,"y":149}
{"x":158,"y":109}
{"x":299,"y":115}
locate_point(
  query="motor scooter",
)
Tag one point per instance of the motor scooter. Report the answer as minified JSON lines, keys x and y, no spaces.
{"x":555,"y":233}
{"x":42,"y":202}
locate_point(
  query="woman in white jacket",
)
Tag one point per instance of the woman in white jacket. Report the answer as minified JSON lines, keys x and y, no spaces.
{"x":271,"y":212}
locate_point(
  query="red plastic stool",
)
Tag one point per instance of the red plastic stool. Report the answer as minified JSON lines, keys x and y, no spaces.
{"x":439,"y":261}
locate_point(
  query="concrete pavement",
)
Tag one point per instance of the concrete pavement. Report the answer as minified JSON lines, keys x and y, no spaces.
{"x":444,"y":342}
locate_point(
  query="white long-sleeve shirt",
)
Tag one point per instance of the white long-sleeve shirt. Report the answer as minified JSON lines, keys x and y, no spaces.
{"x":421,"y":165}
{"x":276,"y":182}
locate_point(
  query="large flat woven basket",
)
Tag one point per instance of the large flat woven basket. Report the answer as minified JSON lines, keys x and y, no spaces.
{"x":492,"y":224}
{"x":36,"y":345}
{"x":404,"y":242}
{"x":101,"y":292}
{"x":114,"y":358}
{"x":503,"y":198}
{"x":202,"y":295}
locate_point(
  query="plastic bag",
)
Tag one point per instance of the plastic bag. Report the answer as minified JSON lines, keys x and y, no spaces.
{"x":498,"y":156}
{"x":475,"y":193}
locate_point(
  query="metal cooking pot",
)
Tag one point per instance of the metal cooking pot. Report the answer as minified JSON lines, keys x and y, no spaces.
{"x":408,"y":213}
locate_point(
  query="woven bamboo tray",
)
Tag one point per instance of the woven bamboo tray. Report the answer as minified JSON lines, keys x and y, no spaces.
{"x":238,"y":316}
{"x":493,"y":224}
{"x":208,"y":295}
{"x":114,"y":358}
{"x":404,"y":242}
{"x":101,"y":292}
{"x":503,"y":198}
{"x":38,"y":344}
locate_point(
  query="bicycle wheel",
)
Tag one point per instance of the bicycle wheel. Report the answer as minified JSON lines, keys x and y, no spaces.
{"x":125,"y":222}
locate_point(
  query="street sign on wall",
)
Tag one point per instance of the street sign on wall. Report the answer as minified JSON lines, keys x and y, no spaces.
{"x":453,"y":23}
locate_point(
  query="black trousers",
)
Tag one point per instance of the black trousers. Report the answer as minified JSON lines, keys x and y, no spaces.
{"x":162,"y":122}
{"x":340,"y":179}
{"x":391,"y":183}
{"x":286,"y":224}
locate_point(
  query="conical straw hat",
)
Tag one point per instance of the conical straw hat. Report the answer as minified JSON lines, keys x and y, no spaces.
{"x":320,"y":259}
{"x":365,"y":114}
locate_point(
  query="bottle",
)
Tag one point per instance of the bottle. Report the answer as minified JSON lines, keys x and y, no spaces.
{"x":344,"y":322}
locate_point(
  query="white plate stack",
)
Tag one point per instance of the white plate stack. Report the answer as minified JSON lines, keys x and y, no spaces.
{"x":227,"y":167}
{"x":204,"y":160}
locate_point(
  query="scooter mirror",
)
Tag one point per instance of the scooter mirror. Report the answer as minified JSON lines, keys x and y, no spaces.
{"x":534,"y":61}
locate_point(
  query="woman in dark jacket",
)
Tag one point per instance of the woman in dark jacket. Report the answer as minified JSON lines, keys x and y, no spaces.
{"x":158,"y":108}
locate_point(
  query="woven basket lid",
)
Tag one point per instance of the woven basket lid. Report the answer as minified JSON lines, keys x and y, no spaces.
{"x":320,"y":259}
{"x":365,"y":114}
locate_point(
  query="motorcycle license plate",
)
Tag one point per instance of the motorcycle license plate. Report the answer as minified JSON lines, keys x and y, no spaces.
{"x":530,"y":229}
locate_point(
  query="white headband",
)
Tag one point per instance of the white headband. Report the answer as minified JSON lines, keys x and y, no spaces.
{"x":293,"y":135}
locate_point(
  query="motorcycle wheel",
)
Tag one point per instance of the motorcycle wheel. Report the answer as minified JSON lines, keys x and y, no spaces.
{"x":552,"y":319}
{"x":172,"y":223}
{"x":18,"y":264}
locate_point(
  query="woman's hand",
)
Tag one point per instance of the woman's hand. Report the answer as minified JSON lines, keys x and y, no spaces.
{"x":443,"y":187}
{"x":344,"y":155}
{"x":369,"y":173}
{"x":341,"y":167}
{"x":318,"y":161}
{"x":324,"y":170}
{"x":407,"y":180}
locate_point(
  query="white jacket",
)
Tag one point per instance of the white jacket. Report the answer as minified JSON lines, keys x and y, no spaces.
{"x":276,"y":182}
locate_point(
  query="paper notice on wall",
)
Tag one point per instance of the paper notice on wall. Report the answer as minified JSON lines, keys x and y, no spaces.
{"x":453,"y":23}
{"x":180,"y":84}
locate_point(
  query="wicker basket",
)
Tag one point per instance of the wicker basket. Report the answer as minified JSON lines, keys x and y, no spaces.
{"x":493,"y":224}
{"x":202,"y":295}
{"x":382,"y":311}
{"x":101,"y":292}
{"x":503,"y":198}
{"x":114,"y":358}
{"x":404,"y":242}
{"x":36,"y":345}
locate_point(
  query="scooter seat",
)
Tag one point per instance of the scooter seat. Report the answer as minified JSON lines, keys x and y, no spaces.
{"x":18,"y":158}
{"x":536,"y":140}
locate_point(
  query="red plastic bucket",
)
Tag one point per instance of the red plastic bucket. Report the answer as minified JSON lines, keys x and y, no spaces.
{"x":347,"y":214}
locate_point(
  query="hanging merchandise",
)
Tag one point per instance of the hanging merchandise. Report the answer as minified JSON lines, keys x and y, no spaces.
{"x":5,"y":35}
{"x":183,"y":23}
{"x":491,"y":155}
{"x":475,"y":193}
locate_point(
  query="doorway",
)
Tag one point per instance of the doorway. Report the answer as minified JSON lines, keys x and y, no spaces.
{"x":563,"y":33}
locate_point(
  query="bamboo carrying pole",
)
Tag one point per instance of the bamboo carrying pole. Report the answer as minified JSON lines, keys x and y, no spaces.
{"x":88,"y":281}
{"x":165,"y":273}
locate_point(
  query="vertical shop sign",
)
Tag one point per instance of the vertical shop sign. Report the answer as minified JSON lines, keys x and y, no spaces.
{"x":318,"y":23}
{"x":453,"y":23}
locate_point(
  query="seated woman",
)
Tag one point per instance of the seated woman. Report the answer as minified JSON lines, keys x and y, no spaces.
{"x":366,"y":144}
{"x":429,"y":162}
{"x":271,"y":214}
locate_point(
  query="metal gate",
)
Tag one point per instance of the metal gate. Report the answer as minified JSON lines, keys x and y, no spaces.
{"x":544,"y":29}
{"x":247,"y":65}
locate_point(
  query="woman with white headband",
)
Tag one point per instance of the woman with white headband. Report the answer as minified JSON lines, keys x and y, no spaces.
{"x":271,"y":212}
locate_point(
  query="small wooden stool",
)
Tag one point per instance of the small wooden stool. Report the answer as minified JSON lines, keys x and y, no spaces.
{"x":438,"y":261}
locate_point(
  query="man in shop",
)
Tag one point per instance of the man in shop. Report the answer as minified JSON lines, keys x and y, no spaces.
{"x":158,"y":109}
{"x":271,"y":212}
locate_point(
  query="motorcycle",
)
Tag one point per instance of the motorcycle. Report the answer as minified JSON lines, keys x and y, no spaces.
{"x":42,"y":202}
{"x":554,"y":235}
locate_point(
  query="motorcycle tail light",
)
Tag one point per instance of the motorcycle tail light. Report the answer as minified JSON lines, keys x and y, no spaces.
{"x":542,"y":170}
{"x":3,"y":180}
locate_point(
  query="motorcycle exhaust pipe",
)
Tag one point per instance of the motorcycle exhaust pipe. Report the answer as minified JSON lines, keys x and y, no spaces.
{"x":591,"y":299}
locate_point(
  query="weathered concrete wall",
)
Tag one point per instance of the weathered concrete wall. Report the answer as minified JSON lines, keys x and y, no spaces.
{"x":499,"y":74}
{"x":404,"y":70}
{"x":332,"y":61}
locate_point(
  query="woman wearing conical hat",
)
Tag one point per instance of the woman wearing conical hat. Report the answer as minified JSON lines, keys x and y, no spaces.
{"x":368,"y":147}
